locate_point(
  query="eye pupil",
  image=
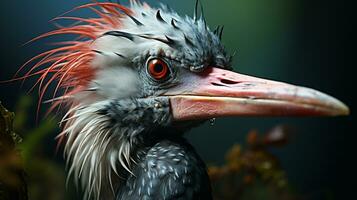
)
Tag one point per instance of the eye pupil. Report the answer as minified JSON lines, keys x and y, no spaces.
{"x":158,"y":69}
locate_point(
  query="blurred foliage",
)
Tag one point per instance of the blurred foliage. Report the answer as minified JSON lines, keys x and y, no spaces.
{"x":33,"y":137}
{"x":12,"y":175}
{"x":253,"y":172}
{"x":45,"y":176}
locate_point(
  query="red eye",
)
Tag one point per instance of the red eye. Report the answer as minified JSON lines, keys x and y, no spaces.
{"x":158,"y":69}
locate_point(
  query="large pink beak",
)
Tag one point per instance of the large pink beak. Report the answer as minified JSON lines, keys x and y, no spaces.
{"x":217,"y":92}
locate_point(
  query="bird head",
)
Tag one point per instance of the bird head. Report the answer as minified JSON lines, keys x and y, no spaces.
{"x":134,"y":71}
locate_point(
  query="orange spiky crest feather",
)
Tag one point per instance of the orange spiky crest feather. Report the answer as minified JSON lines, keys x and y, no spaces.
{"x":70,"y":64}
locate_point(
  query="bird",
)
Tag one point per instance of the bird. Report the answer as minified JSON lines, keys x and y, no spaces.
{"x":133,"y":80}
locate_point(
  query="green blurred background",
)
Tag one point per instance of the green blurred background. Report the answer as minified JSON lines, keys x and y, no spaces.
{"x":297,"y":41}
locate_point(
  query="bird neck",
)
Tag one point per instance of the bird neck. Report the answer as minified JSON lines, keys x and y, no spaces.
{"x":104,"y":139}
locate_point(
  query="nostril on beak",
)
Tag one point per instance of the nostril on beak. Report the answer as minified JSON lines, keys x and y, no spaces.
{"x":225,"y":82}
{"x":229,"y":82}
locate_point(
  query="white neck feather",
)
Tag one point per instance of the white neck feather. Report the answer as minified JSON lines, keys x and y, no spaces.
{"x":94,"y":151}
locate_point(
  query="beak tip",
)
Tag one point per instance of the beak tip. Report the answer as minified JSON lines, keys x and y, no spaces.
{"x":343,"y":110}
{"x":338,"y":108}
{"x":334,"y":107}
{"x":329,"y":105}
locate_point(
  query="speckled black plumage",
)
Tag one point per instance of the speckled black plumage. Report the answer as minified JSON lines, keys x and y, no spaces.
{"x":165,"y":165}
{"x":170,"y":169}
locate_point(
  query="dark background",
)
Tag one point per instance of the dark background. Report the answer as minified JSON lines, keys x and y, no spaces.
{"x":303,"y":42}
